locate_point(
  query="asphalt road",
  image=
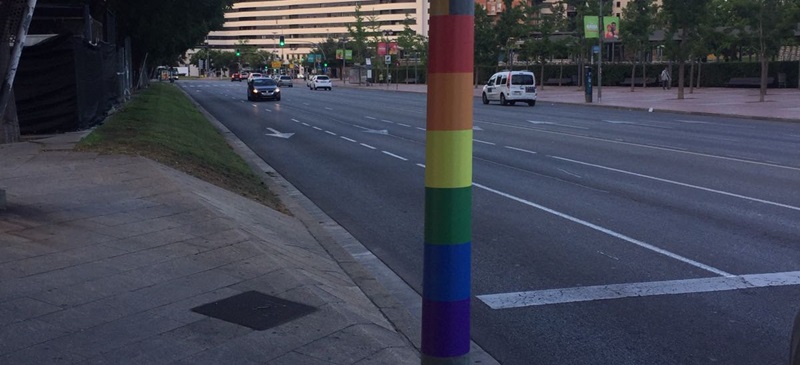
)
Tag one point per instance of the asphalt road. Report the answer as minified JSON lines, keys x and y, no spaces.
{"x":600,"y":236}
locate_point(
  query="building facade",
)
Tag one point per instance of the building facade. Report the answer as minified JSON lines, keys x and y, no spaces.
{"x":306,"y":23}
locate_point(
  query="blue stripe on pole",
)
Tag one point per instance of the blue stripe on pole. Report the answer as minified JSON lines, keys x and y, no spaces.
{"x":447,"y":272}
{"x":462,"y":7}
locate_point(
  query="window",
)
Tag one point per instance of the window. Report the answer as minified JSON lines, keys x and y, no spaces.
{"x":503,"y":81}
{"x":522,"y":79}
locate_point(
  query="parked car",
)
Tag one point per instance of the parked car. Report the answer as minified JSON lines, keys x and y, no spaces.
{"x":509,"y":87}
{"x":263,"y":88}
{"x":322,"y":82}
{"x":235,"y":77}
{"x":285,"y":80}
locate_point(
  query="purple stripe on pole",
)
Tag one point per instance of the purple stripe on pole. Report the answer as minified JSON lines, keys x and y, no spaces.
{"x":445,"y":328}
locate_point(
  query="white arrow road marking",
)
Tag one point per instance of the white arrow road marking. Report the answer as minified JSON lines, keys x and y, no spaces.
{"x":644,"y":289}
{"x":279,"y":134}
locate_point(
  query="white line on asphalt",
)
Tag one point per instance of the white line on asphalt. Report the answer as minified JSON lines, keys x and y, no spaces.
{"x":295,"y":120}
{"x":328,"y":108}
{"x":557,"y":124}
{"x":331,"y":133}
{"x":608,"y":232}
{"x":569,"y":173}
{"x":422,"y":129}
{"x":404,"y":125}
{"x":643,"y":289}
{"x":254,"y":105}
{"x":317,"y":128}
{"x":661,"y":148}
{"x":268,"y":110}
{"x":692,"y":121}
{"x":387,"y":121}
{"x":421,"y":165}
{"x":680,"y":183}
{"x":306,"y":124}
{"x":368,"y":117}
{"x":348,"y":139}
{"x":395,"y":156}
{"x":520,"y":149}
{"x":367,"y":146}
{"x":618,"y":122}
{"x":484,"y":142}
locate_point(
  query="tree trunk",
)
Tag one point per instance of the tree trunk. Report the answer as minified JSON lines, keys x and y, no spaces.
{"x":764,"y":73}
{"x":541,"y":83}
{"x":699,"y":69}
{"x":633,"y":76}
{"x":691,"y":77}
{"x":681,"y":69}
{"x":9,"y":124}
{"x":560,"y":73}
{"x":644,"y":73}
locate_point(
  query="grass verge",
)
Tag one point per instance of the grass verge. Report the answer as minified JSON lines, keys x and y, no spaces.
{"x":162,"y":124}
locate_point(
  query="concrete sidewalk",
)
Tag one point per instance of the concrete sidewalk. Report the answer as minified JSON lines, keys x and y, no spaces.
{"x":779,"y":104}
{"x":104,"y":258}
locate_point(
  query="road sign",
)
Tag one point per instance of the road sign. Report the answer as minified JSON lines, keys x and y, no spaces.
{"x":595,"y":49}
{"x":388,"y":59}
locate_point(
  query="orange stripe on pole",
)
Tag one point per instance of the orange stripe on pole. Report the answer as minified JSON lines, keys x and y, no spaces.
{"x":439,"y":7}
{"x":450,"y":101}
{"x":451,"y":51}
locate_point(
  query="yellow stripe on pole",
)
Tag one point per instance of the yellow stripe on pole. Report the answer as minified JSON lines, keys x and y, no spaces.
{"x":448,"y":162}
{"x":450,"y":101}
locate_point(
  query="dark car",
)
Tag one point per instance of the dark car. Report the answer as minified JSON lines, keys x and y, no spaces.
{"x":235,"y":77}
{"x":263,"y":88}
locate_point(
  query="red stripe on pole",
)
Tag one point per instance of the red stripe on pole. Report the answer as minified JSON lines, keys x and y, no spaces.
{"x":451,"y":44}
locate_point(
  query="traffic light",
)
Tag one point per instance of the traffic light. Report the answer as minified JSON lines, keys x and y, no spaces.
{"x":238,"y":53}
{"x":282,"y":42}
{"x":325,"y":64}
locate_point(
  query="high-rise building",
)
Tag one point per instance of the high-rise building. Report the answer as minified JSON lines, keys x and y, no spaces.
{"x":306,"y":23}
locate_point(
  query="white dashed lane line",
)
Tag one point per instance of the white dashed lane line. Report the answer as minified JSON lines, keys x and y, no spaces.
{"x":295,"y":120}
{"x":367,"y":146}
{"x":484,"y":142}
{"x":368,"y":117}
{"x":317,"y":128}
{"x":395,"y":156}
{"x":348,"y":139}
{"x":331,"y":133}
{"x":386,"y":121}
{"x":422,"y":129}
{"x":326,"y":108}
{"x":520,"y":150}
{"x":404,"y":125}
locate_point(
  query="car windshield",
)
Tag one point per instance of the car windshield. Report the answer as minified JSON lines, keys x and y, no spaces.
{"x":285,"y":78}
{"x":321,"y":78}
{"x":522,"y":79}
{"x":263,"y":82}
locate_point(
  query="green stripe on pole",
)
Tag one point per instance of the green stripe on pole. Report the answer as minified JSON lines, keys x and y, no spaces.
{"x":448,"y":215}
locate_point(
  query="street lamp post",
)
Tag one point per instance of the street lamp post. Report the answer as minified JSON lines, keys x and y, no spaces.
{"x":600,"y":34}
{"x":344,"y":58}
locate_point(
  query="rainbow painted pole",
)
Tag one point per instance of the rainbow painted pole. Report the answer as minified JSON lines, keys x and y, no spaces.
{"x":448,"y":185}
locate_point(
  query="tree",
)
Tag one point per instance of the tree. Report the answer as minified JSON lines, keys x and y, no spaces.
{"x":486,"y":49}
{"x":164,"y":30}
{"x":509,"y":28}
{"x":683,"y":20}
{"x":766,"y":25}
{"x":546,"y":25}
{"x":358,"y":35}
{"x":639,"y":18}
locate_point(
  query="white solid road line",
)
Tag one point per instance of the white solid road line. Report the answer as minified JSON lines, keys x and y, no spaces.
{"x":608,"y":232}
{"x":395,"y":156}
{"x":680,"y":183}
{"x":644,"y":289}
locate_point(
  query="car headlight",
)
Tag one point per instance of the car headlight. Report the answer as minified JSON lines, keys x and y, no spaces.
{"x":277,"y":90}
{"x":255,"y":91}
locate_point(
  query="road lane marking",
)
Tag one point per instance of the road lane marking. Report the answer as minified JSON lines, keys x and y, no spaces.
{"x":368,"y":117}
{"x":556,"y":124}
{"x":306,"y":124}
{"x":422,"y":129}
{"x":681,"y":184}
{"x":386,"y":121}
{"x":421,"y":165}
{"x":520,"y":149}
{"x":655,"y":147}
{"x":619,"y":122}
{"x":328,"y":108}
{"x":395,"y":156}
{"x":348,"y":139}
{"x":268,"y":110}
{"x":642,"y":289}
{"x":484,"y":142}
{"x":254,"y":105}
{"x":569,"y":173}
{"x":607,"y":231}
{"x":404,"y":125}
{"x":295,"y":120}
{"x":367,"y":146}
{"x":693,"y":121}
{"x":317,"y":128}
{"x":331,"y":133}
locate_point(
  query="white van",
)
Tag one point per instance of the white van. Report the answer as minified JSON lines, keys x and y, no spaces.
{"x":509,"y":87}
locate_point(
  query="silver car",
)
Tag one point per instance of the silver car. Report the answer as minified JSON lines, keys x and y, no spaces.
{"x":285,"y":80}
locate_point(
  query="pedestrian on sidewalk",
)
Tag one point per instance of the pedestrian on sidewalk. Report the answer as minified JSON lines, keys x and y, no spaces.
{"x":665,"y":79}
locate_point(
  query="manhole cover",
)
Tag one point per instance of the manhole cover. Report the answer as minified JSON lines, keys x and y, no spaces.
{"x":255,"y":310}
